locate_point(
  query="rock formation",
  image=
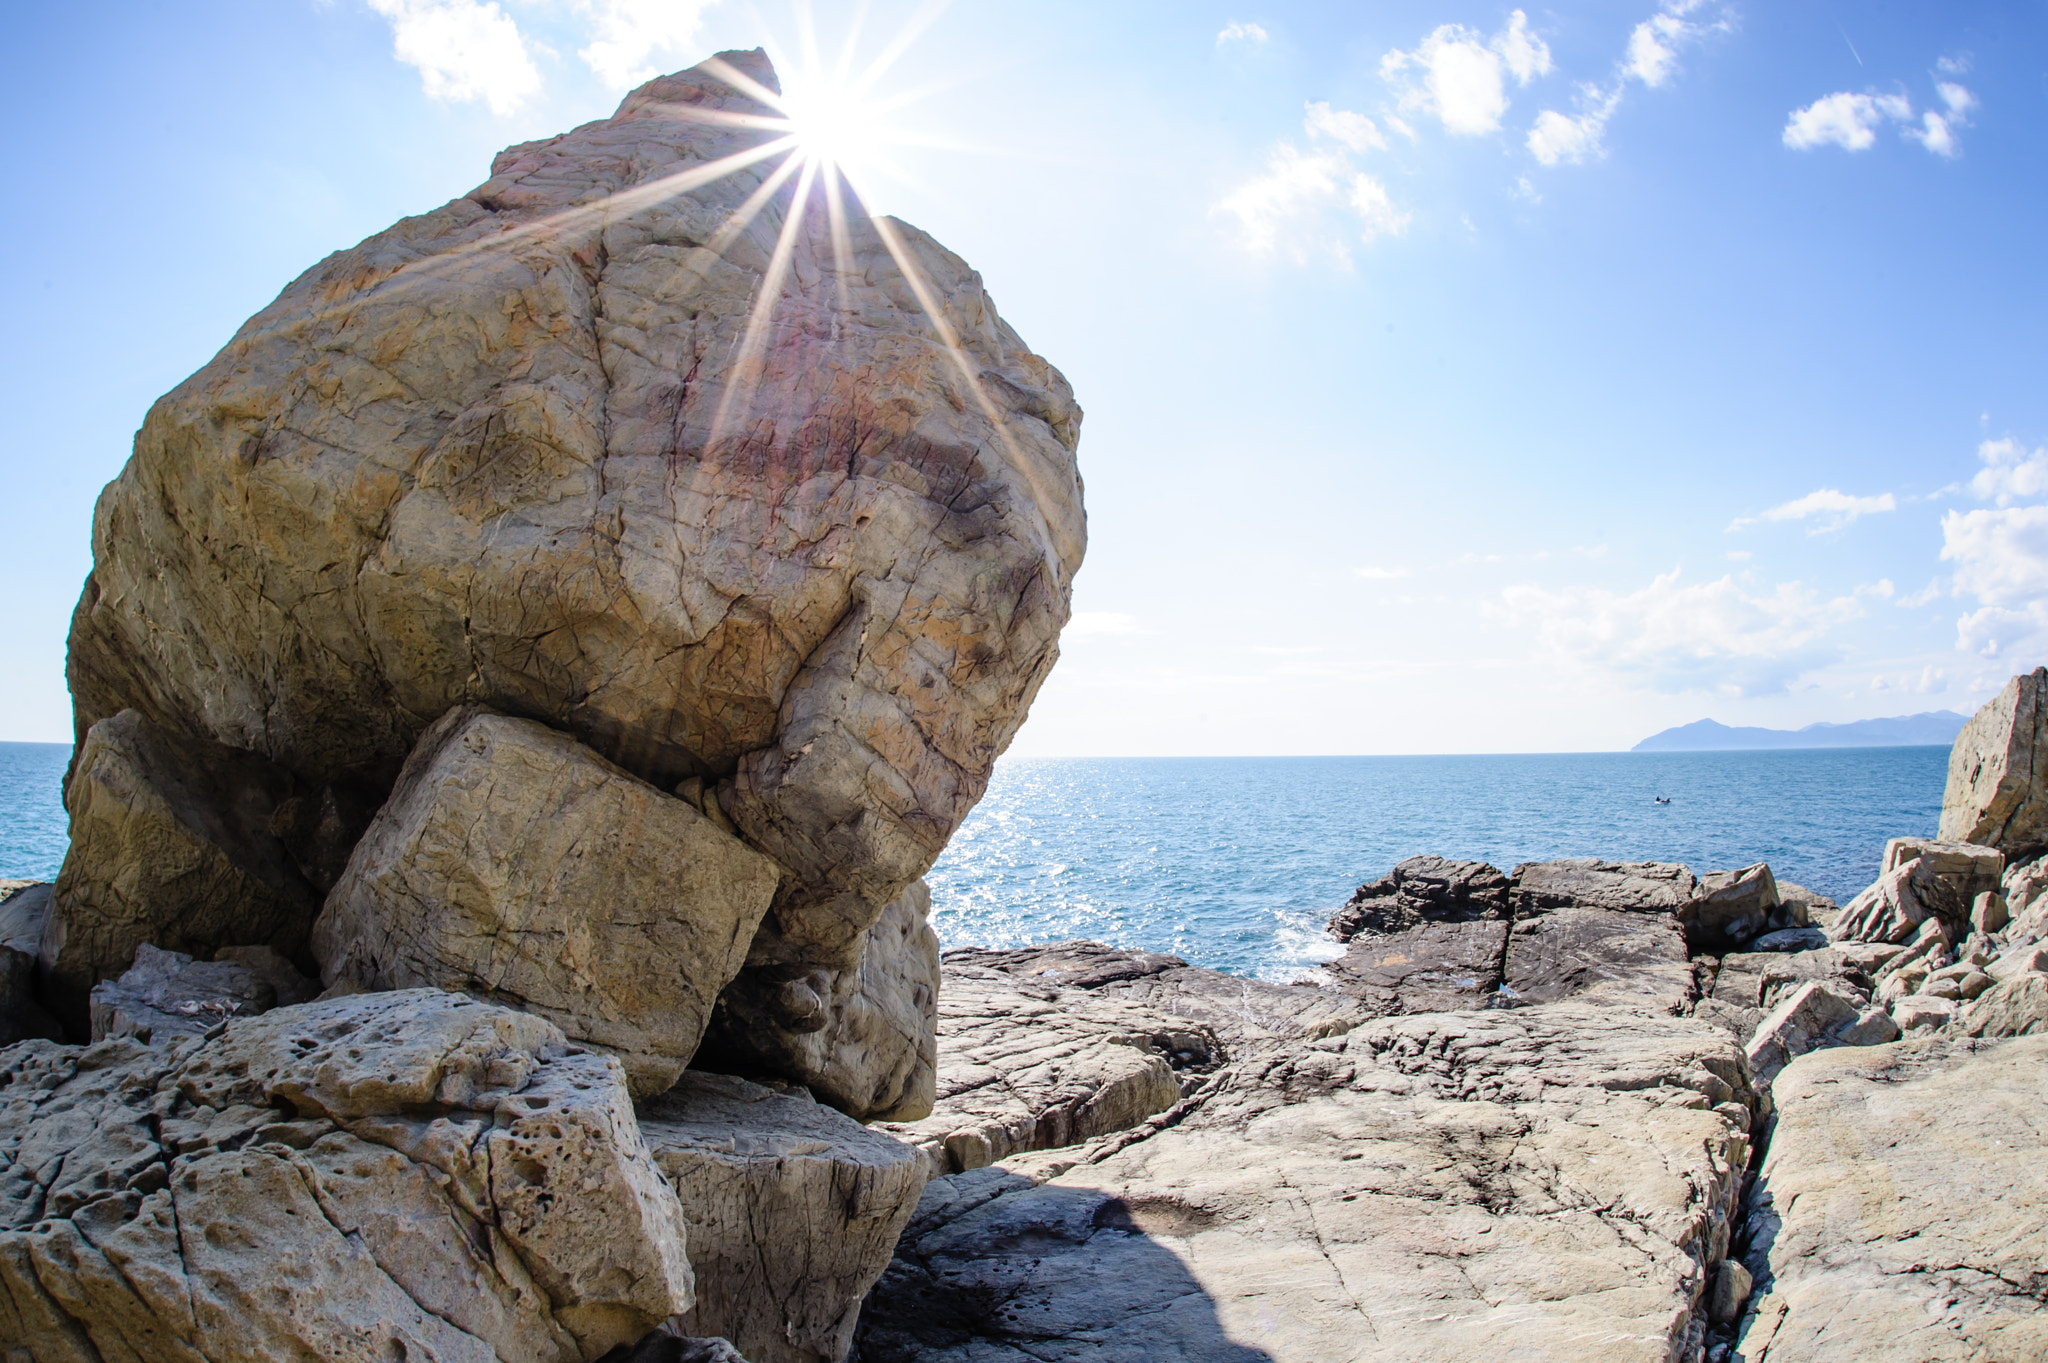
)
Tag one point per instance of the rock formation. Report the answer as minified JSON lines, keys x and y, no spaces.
{"x":617,"y":444}
{"x":1997,"y":792}
{"x":514,"y":863}
{"x":392,"y":1175}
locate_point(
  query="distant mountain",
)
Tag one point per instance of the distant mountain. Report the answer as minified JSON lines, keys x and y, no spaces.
{"x":1936,"y":727}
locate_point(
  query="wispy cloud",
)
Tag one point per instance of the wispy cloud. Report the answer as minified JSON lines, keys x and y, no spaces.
{"x":1460,"y":75}
{"x":1828,"y":508}
{"x":1234,"y":32}
{"x":1674,"y":636}
{"x":1290,"y":206}
{"x":1343,"y":127}
{"x":464,"y":50}
{"x":2000,"y":553}
{"x":1650,"y":59}
{"x":635,"y":40}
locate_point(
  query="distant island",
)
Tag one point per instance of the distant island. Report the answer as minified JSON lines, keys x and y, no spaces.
{"x":1936,"y":727}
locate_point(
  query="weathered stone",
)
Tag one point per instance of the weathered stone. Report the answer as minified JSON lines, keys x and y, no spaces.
{"x":668,"y":460}
{"x":1922,"y":1013}
{"x":1813,"y":1016}
{"x":2024,"y":960}
{"x":1588,"y":883}
{"x":1435,"y":967}
{"x":170,"y":845}
{"x":2017,"y":1007}
{"x":864,"y":1039}
{"x":1731,"y":1291}
{"x":1901,"y":1215}
{"x":24,"y":913}
{"x":1026,"y":1066}
{"x":1802,"y":907}
{"x":666,"y":1345}
{"x":514,"y":863}
{"x":406,"y":1175}
{"x":793,"y":1208}
{"x":1637,"y":959}
{"x":1921,"y":879}
{"x":1423,"y":890}
{"x":1989,"y":913}
{"x":1249,"y":1016}
{"x":1994,"y":794}
{"x":167,"y":994}
{"x":1730,"y":907}
{"x":1746,"y":985}
{"x":271,"y":969}
{"x":1791,"y":939}
{"x":1551,"y":1182}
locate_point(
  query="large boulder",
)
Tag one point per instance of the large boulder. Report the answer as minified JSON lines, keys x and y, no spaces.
{"x":1554,"y":1182}
{"x":794,"y":1210}
{"x":171,"y":844}
{"x":1996,"y":793}
{"x":404,"y":1175}
{"x":1424,"y":889}
{"x":1901,"y":1215}
{"x":1590,"y":883}
{"x":636,"y":441}
{"x":513,"y":862}
{"x":863,"y":1039}
{"x":1921,"y":879}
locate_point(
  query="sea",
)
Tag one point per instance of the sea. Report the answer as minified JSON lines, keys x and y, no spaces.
{"x":1237,"y":862}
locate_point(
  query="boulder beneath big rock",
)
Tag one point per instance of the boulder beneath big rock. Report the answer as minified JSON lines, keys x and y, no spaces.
{"x":167,"y":994}
{"x":794,"y":1210}
{"x":514,"y":863}
{"x":402,"y":1175}
{"x":1997,"y":792}
{"x":171,"y":845}
{"x":721,"y":480}
{"x":1901,"y":1215}
{"x":863,"y":1039}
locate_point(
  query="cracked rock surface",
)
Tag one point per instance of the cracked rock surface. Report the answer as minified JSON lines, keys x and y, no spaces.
{"x":514,"y":863}
{"x":1431,"y":1187}
{"x":403,"y":1175}
{"x":522,"y":451}
{"x":1026,"y":1066}
{"x":794,"y":1210}
{"x":1901,"y":1215}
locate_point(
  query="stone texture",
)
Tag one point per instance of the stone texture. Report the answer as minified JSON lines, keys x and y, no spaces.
{"x":1921,"y":879}
{"x":405,"y":1175}
{"x":1249,"y":1016}
{"x":24,"y":912}
{"x":864,"y":1040}
{"x":1813,"y":1016}
{"x":1743,"y":986}
{"x":1431,"y":968}
{"x":1731,"y":907}
{"x":170,"y":845}
{"x":1552,"y":1182}
{"x":1423,"y":890}
{"x":1994,"y":794}
{"x":524,"y":451}
{"x":167,"y":994}
{"x":2017,"y":1007}
{"x":794,"y":1210}
{"x":665,"y":1345}
{"x":514,"y":863}
{"x":1901,"y":1215}
{"x":1632,"y":959}
{"x":1588,"y":883}
{"x":1922,"y":1013}
{"x":1026,"y":1066}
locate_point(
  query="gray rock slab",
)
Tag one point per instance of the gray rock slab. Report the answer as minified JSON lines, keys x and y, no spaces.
{"x":1420,"y":890}
{"x":1554,"y":1182}
{"x":2017,"y":1006}
{"x":794,"y":1210}
{"x":405,"y":1175}
{"x":1435,"y":967}
{"x":1901,"y":1215}
{"x":514,"y":863}
{"x":167,"y":994}
{"x":1994,"y":794}
{"x":1633,"y":958}
{"x":1589,"y":883}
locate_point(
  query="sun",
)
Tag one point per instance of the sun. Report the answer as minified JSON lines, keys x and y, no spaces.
{"x":833,"y":125}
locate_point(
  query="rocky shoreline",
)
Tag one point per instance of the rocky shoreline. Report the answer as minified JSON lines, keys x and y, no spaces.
{"x":522,"y":684}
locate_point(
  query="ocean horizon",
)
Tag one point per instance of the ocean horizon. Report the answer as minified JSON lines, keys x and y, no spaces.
{"x":1236,"y":863}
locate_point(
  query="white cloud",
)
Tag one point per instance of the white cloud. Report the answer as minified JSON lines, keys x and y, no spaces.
{"x":464,"y":50}
{"x":1341,"y":125}
{"x":1706,"y":636}
{"x":1086,"y":623}
{"x":627,"y":36}
{"x":1832,"y":509}
{"x":1931,"y":680}
{"x":1234,"y":32}
{"x":2010,"y":472}
{"x":1294,"y":184}
{"x":1651,"y":58}
{"x":1463,"y":73}
{"x":1377,"y":574}
{"x":1850,"y":121}
{"x":1375,"y":210}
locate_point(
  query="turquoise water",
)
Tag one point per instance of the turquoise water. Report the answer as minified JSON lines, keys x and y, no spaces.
{"x":1236,"y":863}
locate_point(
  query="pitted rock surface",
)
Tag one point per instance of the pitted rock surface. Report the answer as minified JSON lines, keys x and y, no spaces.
{"x":1901,"y":1215}
{"x":411,"y":1175}
{"x":1433,"y":1187}
{"x":794,"y":1210}
{"x":521,"y":451}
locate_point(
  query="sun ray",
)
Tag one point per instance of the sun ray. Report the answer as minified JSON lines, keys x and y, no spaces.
{"x":742,"y":375}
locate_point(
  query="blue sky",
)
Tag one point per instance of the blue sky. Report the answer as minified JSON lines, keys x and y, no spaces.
{"x":1459,"y":377}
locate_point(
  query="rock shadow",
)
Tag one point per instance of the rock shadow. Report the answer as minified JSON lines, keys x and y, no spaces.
{"x":1040,"y":1274}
